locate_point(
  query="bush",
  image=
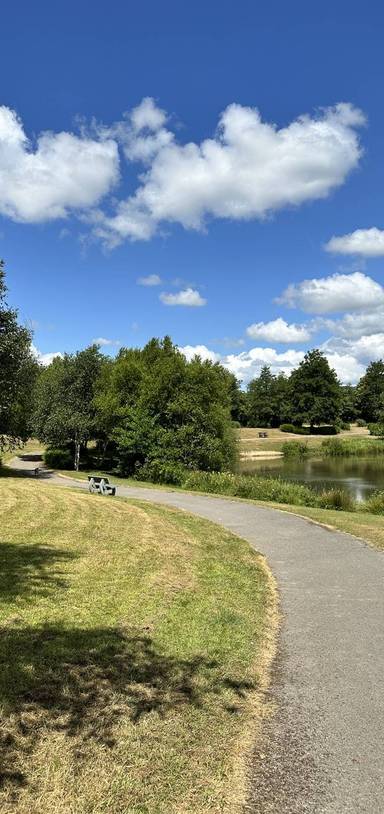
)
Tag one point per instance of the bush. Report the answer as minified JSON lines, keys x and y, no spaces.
{"x":251,"y":487}
{"x":337,"y":499}
{"x":58,"y":458}
{"x":161,"y":472}
{"x":324,"y":430}
{"x":347,"y":447}
{"x":287,"y":428}
{"x":361,"y":422}
{"x":375,"y":503}
{"x":295,"y":449}
{"x":376,"y":429}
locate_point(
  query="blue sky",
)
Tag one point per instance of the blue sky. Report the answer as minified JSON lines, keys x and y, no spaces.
{"x":216,"y":151}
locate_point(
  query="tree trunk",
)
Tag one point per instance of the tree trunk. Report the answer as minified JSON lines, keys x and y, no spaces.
{"x":77,"y":455}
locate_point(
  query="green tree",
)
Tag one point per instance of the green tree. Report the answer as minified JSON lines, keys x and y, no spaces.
{"x":166,"y":412}
{"x":370,"y":392}
{"x":259,"y":397}
{"x":64,"y":411}
{"x":349,"y":410}
{"x":315,"y":391}
{"x":18,"y":369}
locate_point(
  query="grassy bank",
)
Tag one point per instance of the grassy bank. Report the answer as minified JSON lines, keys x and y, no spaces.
{"x":133,"y":645}
{"x":249,"y":440}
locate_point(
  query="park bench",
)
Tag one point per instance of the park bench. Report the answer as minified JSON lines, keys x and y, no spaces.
{"x":263,"y":435}
{"x":100,"y":486}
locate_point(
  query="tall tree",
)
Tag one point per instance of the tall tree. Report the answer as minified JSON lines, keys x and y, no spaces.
{"x":315,"y":391}
{"x":370,"y":392}
{"x":64,"y":400}
{"x":18,"y":369}
{"x":267,"y":399}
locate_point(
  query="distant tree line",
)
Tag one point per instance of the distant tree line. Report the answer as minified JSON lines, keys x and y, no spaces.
{"x":151,"y":413}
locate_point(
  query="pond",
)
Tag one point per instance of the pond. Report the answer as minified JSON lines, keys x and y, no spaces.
{"x":359,"y":476}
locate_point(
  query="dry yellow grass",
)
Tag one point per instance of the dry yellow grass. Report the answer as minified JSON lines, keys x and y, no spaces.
{"x":135,"y":642}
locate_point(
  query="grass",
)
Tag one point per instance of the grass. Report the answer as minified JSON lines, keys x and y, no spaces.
{"x":30,"y":446}
{"x":134,"y":642}
{"x":352,"y":447}
{"x":250,"y":442}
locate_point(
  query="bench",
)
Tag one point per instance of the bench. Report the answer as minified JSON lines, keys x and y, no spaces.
{"x":263,"y":435}
{"x":100,"y":485}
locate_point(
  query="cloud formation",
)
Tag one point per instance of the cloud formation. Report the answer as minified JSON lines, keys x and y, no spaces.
{"x":45,"y":358}
{"x":278,"y":330}
{"x":190,"y":351}
{"x":60,"y":174}
{"x":188,"y":296}
{"x":364,"y":242}
{"x":339,"y":292}
{"x":249,"y":169}
{"x":103,"y":342}
{"x":150,"y":280}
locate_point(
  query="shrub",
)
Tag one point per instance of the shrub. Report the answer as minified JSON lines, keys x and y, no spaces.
{"x":324,"y":430}
{"x":287,"y":428}
{"x":295,"y":449}
{"x":344,"y":425}
{"x":161,"y":472}
{"x":375,"y":503}
{"x":251,"y":487}
{"x":361,"y":423}
{"x":58,"y":458}
{"x":346,"y":447}
{"x":337,"y":499}
{"x":376,"y":429}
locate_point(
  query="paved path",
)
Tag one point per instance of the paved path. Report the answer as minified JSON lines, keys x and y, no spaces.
{"x":324,"y":748}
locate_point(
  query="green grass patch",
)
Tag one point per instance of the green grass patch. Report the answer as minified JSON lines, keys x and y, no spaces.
{"x":347,"y":447}
{"x":133,"y":641}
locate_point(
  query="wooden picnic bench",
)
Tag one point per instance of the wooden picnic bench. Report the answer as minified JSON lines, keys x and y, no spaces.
{"x":100,"y":485}
{"x":263,"y":435}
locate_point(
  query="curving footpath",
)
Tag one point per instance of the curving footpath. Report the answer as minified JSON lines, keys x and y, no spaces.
{"x":322,"y":752}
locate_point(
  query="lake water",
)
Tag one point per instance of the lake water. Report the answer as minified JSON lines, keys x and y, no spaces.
{"x":359,"y":476}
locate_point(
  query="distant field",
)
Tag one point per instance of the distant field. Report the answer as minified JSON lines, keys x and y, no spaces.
{"x":249,"y":440}
{"x":134,"y":643}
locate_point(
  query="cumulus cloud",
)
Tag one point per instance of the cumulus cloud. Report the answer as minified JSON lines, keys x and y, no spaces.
{"x":247,"y":364}
{"x":349,"y":370}
{"x":249,"y":169}
{"x":103,"y":342}
{"x":278,"y":330}
{"x":364,"y":242}
{"x":188,"y":296}
{"x":58,"y":174}
{"x":45,"y":358}
{"x":150,"y":280}
{"x":190,"y":351}
{"x":339,"y":292}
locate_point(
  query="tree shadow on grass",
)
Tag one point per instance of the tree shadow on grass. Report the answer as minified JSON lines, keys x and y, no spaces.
{"x":82,"y":682}
{"x":30,"y":570}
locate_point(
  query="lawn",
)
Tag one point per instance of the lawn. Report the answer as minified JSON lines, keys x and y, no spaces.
{"x":249,"y":440}
{"x":135,"y":644}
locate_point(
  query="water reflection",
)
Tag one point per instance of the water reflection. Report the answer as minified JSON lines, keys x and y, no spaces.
{"x":359,"y":476}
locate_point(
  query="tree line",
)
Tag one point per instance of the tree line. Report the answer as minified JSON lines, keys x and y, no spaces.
{"x":151,"y":413}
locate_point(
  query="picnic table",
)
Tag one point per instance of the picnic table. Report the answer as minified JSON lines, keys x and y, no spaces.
{"x":100,"y":485}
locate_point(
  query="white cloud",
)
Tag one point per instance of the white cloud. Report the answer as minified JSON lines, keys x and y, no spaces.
{"x":60,"y":174}
{"x":278,"y":330}
{"x":103,"y":342}
{"x":349,"y":370}
{"x":189,"y":296}
{"x":339,"y":292}
{"x":365,"y":242}
{"x":150,"y":280}
{"x":190,"y":351}
{"x":248,"y":170}
{"x":45,"y":358}
{"x":248,"y":364}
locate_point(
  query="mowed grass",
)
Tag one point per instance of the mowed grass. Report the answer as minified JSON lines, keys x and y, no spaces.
{"x":249,"y":440}
{"x":134,"y":643}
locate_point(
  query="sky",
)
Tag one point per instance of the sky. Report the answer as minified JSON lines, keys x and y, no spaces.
{"x":212,"y":171}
